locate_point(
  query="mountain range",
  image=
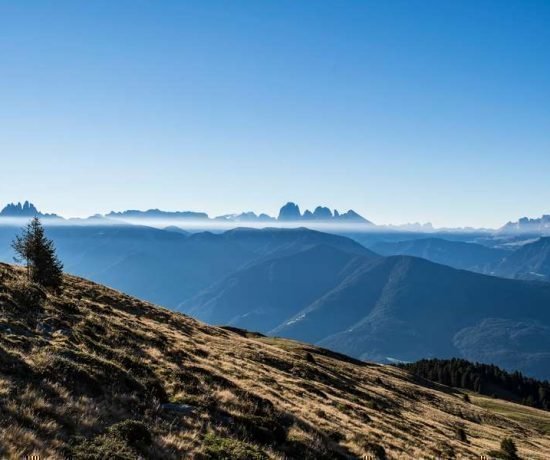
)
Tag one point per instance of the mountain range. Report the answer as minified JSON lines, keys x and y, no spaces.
{"x":25,"y":209}
{"x":528,"y":261}
{"x":331,"y":290}
{"x":539,"y":225}
{"x":290,"y":212}
{"x":457,"y":254}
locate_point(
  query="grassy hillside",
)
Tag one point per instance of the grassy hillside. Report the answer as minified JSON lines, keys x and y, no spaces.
{"x":94,"y":373}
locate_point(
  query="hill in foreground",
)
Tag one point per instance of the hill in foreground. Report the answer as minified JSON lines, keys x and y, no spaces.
{"x":93,"y":373}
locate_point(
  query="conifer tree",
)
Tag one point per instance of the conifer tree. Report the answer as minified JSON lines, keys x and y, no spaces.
{"x":38,"y":253}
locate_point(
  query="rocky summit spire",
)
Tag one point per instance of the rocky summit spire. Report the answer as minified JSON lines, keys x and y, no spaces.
{"x":290,"y":212}
{"x":20,"y":210}
{"x":25,"y":209}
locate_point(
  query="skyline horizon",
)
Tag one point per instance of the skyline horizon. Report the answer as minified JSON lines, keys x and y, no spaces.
{"x":213,"y":217}
{"x":405,"y":111}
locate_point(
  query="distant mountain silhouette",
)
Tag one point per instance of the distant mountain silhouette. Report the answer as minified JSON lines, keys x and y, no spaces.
{"x":530,"y":261}
{"x":25,"y":209}
{"x":350,"y":216}
{"x":290,"y":212}
{"x":245,"y":217}
{"x":158,"y":214}
{"x":526,"y":225}
{"x":457,"y":254}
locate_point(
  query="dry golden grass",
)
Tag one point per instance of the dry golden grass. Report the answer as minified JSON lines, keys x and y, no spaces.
{"x":74,"y":365}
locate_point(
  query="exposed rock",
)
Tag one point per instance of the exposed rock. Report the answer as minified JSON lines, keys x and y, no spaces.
{"x":290,"y":212}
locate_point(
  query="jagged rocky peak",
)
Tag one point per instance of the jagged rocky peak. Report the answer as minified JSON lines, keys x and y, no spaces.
{"x":527,"y":225}
{"x":20,"y":210}
{"x":289,"y":212}
{"x":308,"y":215}
{"x":25,"y":209}
{"x":322,"y":213}
{"x":351,"y":215}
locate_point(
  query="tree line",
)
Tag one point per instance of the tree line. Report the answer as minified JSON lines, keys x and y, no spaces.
{"x":485,"y":379}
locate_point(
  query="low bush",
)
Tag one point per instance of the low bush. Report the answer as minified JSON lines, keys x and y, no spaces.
{"x":220,"y":448}
{"x":126,"y":440}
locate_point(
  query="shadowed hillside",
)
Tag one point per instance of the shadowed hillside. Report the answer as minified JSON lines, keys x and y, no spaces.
{"x":93,"y":373}
{"x":457,"y":254}
{"x":264,"y":295}
{"x":530,"y":261}
{"x":387,"y":308}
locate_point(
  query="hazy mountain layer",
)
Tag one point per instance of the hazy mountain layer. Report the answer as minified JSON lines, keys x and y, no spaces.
{"x":169,"y":267}
{"x":530,"y":261}
{"x":320,"y":288}
{"x":457,"y":254}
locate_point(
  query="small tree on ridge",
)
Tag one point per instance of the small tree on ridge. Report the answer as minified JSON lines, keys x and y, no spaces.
{"x":38,"y":253}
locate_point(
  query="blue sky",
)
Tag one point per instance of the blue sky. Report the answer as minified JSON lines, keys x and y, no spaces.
{"x":402,"y":110}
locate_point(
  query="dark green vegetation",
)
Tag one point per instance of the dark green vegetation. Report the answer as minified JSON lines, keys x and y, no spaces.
{"x":38,"y":253}
{"x":90,"y":373}
{"x":484,"y":379}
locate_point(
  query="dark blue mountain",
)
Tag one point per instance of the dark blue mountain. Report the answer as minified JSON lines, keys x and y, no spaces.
{"x":530,"y":261}
{"x":386,"y":308}
{"x":263,"y":295}
{"x":25,"y":209}
{"x":168,"y":267}
{"x":290,"y":212}
{"x":457,"y":254}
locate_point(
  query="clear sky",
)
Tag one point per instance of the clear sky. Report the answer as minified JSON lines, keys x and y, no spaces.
{"x":402,"y":110}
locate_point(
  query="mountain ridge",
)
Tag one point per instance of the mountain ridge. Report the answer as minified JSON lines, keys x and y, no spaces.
{"x":397,"y":307}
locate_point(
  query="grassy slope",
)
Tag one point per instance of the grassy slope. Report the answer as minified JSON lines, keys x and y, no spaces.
{"x":91,"y":357}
